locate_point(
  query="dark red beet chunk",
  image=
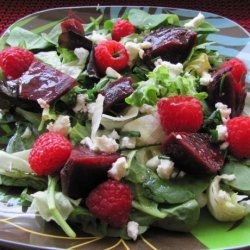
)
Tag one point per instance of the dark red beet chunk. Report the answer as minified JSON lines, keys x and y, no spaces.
{"x":39,"y":81}
{"x":222,"y":89}
{"x":84,"y":170}
{"x":116,"y":92}
{"x":173,"y":45}
{"x":193,"y":152}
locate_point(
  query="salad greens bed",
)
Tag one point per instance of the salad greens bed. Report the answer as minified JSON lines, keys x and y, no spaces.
{"x":171,"y":202}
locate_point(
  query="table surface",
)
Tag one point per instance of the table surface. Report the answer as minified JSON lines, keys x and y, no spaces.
{"x":12,"y":10}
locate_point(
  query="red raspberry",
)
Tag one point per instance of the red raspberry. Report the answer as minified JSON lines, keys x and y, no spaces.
{"x":122,"y":28}
{"x":180,"y":114}
{"x":111,"y":54}
{"x":49,"y":154}
{"x":15,"y":61}
{"x":72,"y":25}
{"x":111,"y":201}
{"x":238,"y":130}
{"x":238,"y":72}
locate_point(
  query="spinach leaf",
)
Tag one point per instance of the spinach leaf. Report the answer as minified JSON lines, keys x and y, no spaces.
{"x":20,"y":37}
{"x":167,"y":191}
{"x":241,"y":170}
{"x":180,"y":218}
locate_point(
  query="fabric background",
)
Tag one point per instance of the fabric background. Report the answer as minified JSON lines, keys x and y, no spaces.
{"x":239,"y":11}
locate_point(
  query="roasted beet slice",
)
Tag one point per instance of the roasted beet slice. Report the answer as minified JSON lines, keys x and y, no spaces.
{"x":39,"y":81}
{"x":84,"y":170}
{"x":173,"y":45}
{"x":222,"y":89}
{"x":193,"y":152}
{"x":116,"y":92}
{"x":72,"y":40}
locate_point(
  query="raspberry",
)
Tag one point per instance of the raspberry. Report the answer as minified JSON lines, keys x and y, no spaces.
{"x":238,"y":71}
{"x":15,"y":61}
{"x":111,"y":201}
{"x":238,"y":130}
{"x":50,"y":152}
{"x":122,"y":28}
{"x":72,"y":25}
{"x":111,"y":54}
{"x":180,"y":114}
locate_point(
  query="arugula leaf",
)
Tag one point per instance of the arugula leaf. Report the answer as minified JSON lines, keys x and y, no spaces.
{"x":79,"y":132}
{"x":206,"y":28}
{"x":94,"y":24}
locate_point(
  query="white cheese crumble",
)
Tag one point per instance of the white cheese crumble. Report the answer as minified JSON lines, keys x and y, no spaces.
{"x":103,"y":144}
{"x":97,"y":38}
{"x":205,"y":79}
{"x":136,"y":49}
{"x":195,"y":22}
{"x":174,"y":69}
{"x":82,"y":55}
{"x":128,"y":142}
{"x":222,"y":132}
{"x":153,"y":163}
{"x":179,"y":137}
{"x":224,"y":111}
{"x":43,"y":104}
{"x":118,"y":169}
{"x":147,"y":109}
{"x":112,"y":73}
{"x":133,"y":229}
{"x":81,"y":104}
{"x":27,"y":133}
{"x":165,"y":168}
{"x":178,"y":174}
{"x":224,"y":145}
{"x":114,"y":135}
{"x":61,"y":125}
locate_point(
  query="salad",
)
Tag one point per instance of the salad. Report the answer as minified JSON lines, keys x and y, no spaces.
{"x":120,"y":125}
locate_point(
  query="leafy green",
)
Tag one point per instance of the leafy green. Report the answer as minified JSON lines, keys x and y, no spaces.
{"x":18,"y":141}
{"x":94,"y":24}
{"x":241,"y":170}
{"x":143,"y":20}
{"x":205,"y":28}
{"x":167,"y":191}
{"x":180,"y":218}
{"x":20,"y":37}
{"x":67,"y":55}
{"x":9,"y":196}
{"x":92,"y":225}
{"x":79,"y":132}
{"x":161,"y":84}
{"x":53,"y":35}
{"x":31,"y":117}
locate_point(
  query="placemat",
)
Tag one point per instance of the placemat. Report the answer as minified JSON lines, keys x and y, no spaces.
{"x":12,"y":10}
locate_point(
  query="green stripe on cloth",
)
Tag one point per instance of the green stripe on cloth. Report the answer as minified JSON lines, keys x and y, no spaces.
{"x":217,"y":235}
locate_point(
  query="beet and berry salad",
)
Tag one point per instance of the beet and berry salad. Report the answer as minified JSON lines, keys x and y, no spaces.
{"x":118,"y":126}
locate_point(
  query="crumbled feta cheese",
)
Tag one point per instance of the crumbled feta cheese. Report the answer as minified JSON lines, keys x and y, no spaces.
{"x":114,"y":135}
{"x":224,"y":111}
{"x":153,"y":163}
{"x":113,"y":73}
{"x":133,"y":229}
{"x":61,"y":125}
{"x":118,"y":169}
{"x":136,"y":49}
{"x":97,"y":38}
{"x":195,"y":22}
{"x":81,"y":104}
{"x":178,"y":137}
{"x":178,"y":174}
{"x":43,"y":104}
{"x":174,"y":69}
{"x":128,"y":142}
{"x":224,"y":145}
{"x":82,"y":55}
{"x":205,"y":79}
{"x":222,"y":132}
{"x":165,"y":169}
{"x":228,"y":177}
{"x":147,"y":109}
{"x":103,"y":144}
{"x":27,"y":133}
